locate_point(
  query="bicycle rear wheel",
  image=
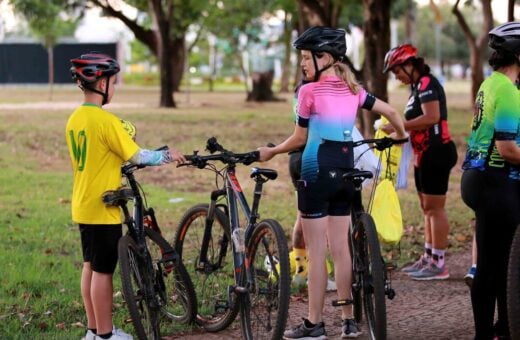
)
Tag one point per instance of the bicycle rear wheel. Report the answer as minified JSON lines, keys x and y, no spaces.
{"x":134,"y":282}
{"x":173,"y":284}
{"x":265,"y":310}
{"x":513,"y":287}
{"x":373,"y":279}
{"x":211,"y":281}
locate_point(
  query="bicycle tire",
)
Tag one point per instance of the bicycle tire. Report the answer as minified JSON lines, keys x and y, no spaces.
{"x":265,"y":309}
{"x":513,"y":287}
{"x":214,"y":312}
{"x":144,"y":318}
{"x":373,"y":280}
{"x":173,"y":285}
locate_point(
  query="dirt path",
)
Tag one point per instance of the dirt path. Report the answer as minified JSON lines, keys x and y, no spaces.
{"x":421,"y":310}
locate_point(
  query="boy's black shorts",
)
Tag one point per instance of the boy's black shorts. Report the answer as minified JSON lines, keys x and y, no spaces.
{"x":99,"y":245}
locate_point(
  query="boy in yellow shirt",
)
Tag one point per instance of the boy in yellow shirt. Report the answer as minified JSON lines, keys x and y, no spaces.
{"x":99,"y":143}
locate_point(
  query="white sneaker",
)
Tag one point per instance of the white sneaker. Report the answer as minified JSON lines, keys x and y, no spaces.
{"x":117,"y":334}
{"x":89,"y":335}
{"x":331,"y":285}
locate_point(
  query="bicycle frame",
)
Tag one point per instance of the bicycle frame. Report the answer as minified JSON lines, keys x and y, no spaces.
{"x":234,"y":197}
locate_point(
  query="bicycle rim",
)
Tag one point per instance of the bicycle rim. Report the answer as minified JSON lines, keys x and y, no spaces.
{"x":513,"y":287}
{"x":266,"y":312}
{"x":373,"y":281}
{"x":173,"y":284}
{"x":144,"y":318}
{"x":214,"y":311}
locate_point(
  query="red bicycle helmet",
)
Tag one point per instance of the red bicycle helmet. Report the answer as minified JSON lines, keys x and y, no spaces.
{"x":90,"y":67}
{"x":399,"y":55}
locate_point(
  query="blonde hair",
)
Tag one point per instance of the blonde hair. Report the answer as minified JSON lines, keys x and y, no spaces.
{"x":346,"y":74}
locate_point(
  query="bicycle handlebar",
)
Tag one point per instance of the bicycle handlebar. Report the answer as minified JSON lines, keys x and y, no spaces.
{"x":381,"y":143}
{"x":224,"y":156}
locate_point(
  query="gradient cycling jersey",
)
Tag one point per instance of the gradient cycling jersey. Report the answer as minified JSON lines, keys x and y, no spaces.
{"x":496,"y":117}
{"x":328,"y":108}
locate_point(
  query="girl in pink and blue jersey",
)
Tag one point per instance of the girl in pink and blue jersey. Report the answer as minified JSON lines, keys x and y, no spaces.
{"x":327,"y":109}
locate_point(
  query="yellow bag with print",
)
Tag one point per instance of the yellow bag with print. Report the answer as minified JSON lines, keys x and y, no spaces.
{"x":386,"y":212}
{"x":390,"y":163}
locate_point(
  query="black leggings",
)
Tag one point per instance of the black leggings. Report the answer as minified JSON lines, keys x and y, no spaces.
{"x":496,"y":202}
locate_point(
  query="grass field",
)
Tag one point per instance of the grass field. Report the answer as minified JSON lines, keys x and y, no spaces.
{"x":41,"y":258}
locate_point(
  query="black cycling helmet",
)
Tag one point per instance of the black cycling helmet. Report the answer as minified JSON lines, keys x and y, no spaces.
{"x":323,"y":39}
{"x":90,"y":67}
{"x":506,"y":37}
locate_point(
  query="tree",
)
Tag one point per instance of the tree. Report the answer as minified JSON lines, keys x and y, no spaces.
{"x":477,"y":45}
{"x":163,"y":32}
{"x":48,"y":21}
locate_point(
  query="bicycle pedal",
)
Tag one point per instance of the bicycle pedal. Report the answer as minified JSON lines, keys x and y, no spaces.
{"x":338,"y":303}
{"x":390,"y":293}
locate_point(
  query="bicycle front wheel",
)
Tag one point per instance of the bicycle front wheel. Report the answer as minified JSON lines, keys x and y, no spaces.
{"x":513,"y":287}
{"x":372,"y":279}
{"x":264,"y":312}
{"x":134,"y":282}
{"x":211,"y":279}
{"x":173,"y":284}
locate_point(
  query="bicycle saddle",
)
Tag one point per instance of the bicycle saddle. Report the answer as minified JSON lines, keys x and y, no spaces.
{"x":355,"y":173}
{"x":268,"y":173}
{"x":117,"y":197}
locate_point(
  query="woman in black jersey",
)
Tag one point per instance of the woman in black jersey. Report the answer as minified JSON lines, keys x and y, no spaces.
{"x":435,"y":154}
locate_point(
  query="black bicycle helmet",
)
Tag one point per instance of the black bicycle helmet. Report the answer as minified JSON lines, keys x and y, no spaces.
{"x":89,"y":68}
{"x":506,"y":37}
{"x":323,"y":39}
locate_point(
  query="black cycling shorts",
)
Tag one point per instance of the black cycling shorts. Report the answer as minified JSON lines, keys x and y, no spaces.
{"x":432,"y":175}
{"x":99,"y":244}
{"x":329,"y":195}
{"x":295,"y":166}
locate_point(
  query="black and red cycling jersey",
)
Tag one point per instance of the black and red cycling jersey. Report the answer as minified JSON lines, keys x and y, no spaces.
{"x":427,"y":89}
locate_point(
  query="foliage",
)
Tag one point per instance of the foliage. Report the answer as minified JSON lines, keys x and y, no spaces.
{"x":48,"y":20}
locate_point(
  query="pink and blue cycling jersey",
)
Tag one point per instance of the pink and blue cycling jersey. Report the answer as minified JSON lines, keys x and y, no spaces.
{"x":328,"y":108}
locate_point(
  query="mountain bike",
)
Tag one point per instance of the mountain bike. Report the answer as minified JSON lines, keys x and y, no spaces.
{"x":371,"y":280}
{"x":155,"y":283}
{"x":513,"y":287}
{"x":235,"y":268}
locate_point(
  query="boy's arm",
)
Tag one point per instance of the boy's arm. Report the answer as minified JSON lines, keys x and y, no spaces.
{"x":160,"y":157}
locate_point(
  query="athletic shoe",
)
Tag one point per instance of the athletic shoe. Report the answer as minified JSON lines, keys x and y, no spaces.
{"x":117,"y":334}
{"x":431,"y":272}
{"x":89,"y":335}
{"x":350,"y":329}
{"x":303,"y":332}
{"x":421,"y":263}
{"x":470,"y":276}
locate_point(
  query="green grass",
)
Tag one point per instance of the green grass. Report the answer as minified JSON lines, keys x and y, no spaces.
{"x":41,"y":257}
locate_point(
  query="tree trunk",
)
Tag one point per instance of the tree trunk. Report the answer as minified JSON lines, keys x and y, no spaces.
{"x":178,"y":58}
{"x":262,"y":83}
{"x":165,"y":65}
{"x":511,"y":10}
{"x":376,"y":29}
{"x":478,"y":45}
{"x":50,"y":60}
{"x":286,"y":66}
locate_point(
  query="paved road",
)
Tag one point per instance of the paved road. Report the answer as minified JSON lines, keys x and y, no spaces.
{"x":438,"y":310}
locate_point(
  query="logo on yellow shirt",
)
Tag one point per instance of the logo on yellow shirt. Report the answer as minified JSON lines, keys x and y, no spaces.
{"x":79,"y":148}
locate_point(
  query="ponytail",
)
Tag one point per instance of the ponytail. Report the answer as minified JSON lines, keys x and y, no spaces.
{"x":345,"y":73}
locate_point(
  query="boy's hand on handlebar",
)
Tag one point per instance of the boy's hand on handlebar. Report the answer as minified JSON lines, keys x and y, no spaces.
{"x":399,"y":136}
{"x":387,"y":128}
{"x":177,"y":156}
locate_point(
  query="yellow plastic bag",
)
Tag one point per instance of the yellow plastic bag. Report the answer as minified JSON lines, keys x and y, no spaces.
{"x":386,"y":212}
{"x":388,"y":170}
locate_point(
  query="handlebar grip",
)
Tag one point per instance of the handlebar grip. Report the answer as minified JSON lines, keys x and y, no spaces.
{"x":162,"y":148}
{"x":271,"y":145}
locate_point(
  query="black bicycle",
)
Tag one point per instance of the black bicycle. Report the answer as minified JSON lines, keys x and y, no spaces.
{"x":154,"y":280}
{"x":513,"y":287}
{"x":371,"y":279}
{"x":235,"y":268}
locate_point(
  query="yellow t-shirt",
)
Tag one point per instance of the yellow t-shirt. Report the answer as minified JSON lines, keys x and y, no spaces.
{"x":98,"y":145}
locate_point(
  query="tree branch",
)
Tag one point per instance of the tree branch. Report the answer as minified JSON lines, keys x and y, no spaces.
{"x":463,"y":25}
{"x":146,"y":36}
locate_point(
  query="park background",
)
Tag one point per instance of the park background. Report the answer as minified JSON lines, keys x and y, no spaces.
{"x":41,"y":257}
